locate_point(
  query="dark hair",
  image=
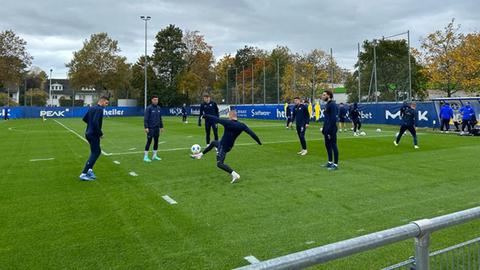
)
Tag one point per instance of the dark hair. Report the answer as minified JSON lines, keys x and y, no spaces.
{"x":296,"y":98}
{"x":154,"y":96}
{"x":105,"y":98}
{"x":206,"y":95}
{"x":329,"y":93}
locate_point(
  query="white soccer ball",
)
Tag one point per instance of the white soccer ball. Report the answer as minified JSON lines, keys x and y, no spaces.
{"x":363,"y":133}
{"x":196,"y":149}
{"x":379,"y":130}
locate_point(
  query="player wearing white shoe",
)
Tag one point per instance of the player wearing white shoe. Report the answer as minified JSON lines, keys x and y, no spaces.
{"x":232,"y":129}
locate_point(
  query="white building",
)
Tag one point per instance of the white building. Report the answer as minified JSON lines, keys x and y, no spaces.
{"x":60,"y":88}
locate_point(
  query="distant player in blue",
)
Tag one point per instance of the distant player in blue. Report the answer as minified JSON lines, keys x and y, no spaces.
{"x":355,"y":116}
{"x":408,"y":114}
{"x":5,"y":113}
{"x":467,"y":115}
{"x":184,"y":113}
{"x":152,"y":122}
{"x":93,"y":133}
{"x":288,"y":114}
{"x":208,"y":107}
{"x":301,"y":116}
{"x":342,"y":117}
{"x":329,"y":130}
{"x":232,"y":129}
{"x":446,"y":114}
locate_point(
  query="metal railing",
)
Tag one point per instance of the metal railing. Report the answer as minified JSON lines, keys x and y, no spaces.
{"x":420,"y":230}
{"x":464,"y":256}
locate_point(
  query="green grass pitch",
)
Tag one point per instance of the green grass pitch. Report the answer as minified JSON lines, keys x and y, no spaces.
{"x":284,"y":202}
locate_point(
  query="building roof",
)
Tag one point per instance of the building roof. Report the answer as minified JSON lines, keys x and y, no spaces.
{"x":67,"y":89}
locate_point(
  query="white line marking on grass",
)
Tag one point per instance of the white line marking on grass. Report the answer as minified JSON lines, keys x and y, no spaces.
{"x":309,"y":242}
{"x":360,"y":230}
{"x":251,"y":259}
{"x":133,"y":148}
{"x":116,"y":162}
{"x":41,"y":159}
{"x":78,"y":135}
{"x":246,"y":144}
{"x":133,"y":173}
{"x":169,"y":199}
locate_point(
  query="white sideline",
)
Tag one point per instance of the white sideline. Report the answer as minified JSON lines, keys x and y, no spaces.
{"x":78,"y":135}
{"x":41,"y":159}
{"x":251,"y":259}
{"x":169,"y":199}
{"x":133,"y":173}
{"x":245,"y":144}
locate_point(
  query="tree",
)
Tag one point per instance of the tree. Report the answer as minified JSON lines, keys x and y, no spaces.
{"x":14,"y":58}
{"x":439,"y":56}
{"x":467,"y":59}
{"x":220,"y":84}
{"x":99,"y":65}
{"x":36,"y":97}
{"x":168,"y":56}
{"x":392,"y":72}
{"x":197,"y":76}
{"x":137,"y":81}
{"x":306,"y":75}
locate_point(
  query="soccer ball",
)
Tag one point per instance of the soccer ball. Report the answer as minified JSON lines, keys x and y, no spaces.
{"x":363,"y":133}
{"x":379,"y":130}
{"x":196,"y":149}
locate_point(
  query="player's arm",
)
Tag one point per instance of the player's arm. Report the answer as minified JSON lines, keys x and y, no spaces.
{"x":217,"y":112}
{"x":252,"y":134}
{"x":146,"y":118}
{"x":96,"y":122}
{"x":200,"y":116}
{"x":85,"y":117}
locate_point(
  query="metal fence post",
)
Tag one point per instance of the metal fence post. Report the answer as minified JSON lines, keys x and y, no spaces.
{"x":422,"y":243}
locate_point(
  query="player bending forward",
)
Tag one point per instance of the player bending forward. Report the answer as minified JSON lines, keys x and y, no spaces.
{"x":232,"y":129}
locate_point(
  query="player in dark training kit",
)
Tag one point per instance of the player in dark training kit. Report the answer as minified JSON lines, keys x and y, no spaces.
{"x":355,"y":116}
{"x":329,"y":130}
{"x":209,"y":107}
{"x":302,"y":119}
{"x":93,"y":133}
{"x":184,"y":113}
{"x":408,"y":114}
{"x":152,"y":122}
{"x":232,"y":129}
{"x":288,"y":115}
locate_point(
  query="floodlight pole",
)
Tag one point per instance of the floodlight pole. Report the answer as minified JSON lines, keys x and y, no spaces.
{"x":253,"y":101}
{"x":359,"y":84}
{"x":243,"y":84}
{"x":375,"y":68}
{"x":264,"y":89}
{"x":146,"y":19}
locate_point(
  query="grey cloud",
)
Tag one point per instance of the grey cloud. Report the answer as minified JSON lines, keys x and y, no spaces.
{"x":54,"y":28}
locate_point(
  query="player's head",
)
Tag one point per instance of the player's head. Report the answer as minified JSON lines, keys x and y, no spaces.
{"x":413,"y":105}
{"x":296,"y":100}
{"x":341,"y":104}
{"x":206,"y":98}
{"x":103,"y":101}
{"x":232,"y":115}
{"x":327,"y":95}
{"x":184,"y":104}
{"x":154,"y":100}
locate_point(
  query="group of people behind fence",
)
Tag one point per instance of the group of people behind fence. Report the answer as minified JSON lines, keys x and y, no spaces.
{"x":464,"y":121}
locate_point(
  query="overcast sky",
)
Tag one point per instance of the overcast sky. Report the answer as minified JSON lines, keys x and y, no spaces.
{"x":54,"y":29}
